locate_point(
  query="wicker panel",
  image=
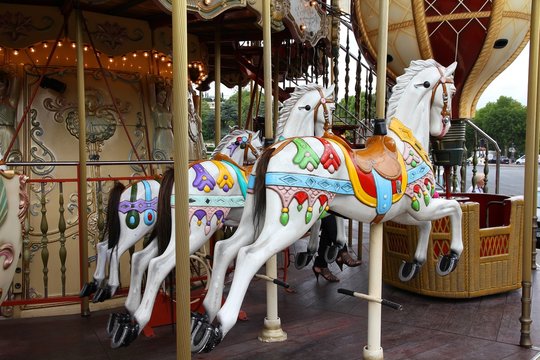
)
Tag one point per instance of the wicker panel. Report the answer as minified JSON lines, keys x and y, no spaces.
{"x":490,"y":262}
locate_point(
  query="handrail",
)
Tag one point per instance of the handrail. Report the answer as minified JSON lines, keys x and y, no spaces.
{"x":484,"y":135}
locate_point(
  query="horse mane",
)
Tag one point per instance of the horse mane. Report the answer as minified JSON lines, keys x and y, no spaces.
{"x":288,"y":105}
{"x":403,"y":80}
{"x":112,"y":222}
{"x":163,"y":227}
{"x":259,"y":188}
{"x":226,"y":140}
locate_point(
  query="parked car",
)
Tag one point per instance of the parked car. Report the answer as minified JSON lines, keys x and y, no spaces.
{"x":521,"y":160}
{"x":504,"y":160}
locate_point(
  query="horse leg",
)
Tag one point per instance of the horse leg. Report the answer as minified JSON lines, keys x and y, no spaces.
{"x":224,"y":253}
{"x":99,"y":274}
{"x":302,"y":259}
{"x":439,"y":208}
{"x":158,"y":269}
{"x":139,"y":264}
{"x":408,"y":270}
{"x":124,"y":243}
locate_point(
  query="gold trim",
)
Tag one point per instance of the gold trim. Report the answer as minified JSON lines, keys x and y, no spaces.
{"x":486,"y":52}
{"x":420,"y":27}
{"x":510,"y":60}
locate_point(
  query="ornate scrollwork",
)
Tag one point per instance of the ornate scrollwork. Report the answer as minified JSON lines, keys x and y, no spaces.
{"x":114,"y":35}
{"x":16,"y":25}
{"x":46,"y":155}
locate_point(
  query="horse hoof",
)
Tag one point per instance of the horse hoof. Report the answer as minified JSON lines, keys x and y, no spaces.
{"x":117,"y":319}
{"x":88,"y":289}
{"x":447,"y":263}
{"x":331,"y":253}
{"x":102,"y":294}
{"x":408,"y":270}
{"x":124,"y":335}
{"x":204,"y":336}
{"x":302,"y":259}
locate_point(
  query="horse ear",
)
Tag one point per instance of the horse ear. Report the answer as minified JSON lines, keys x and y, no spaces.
{"x":450,"y":69}
{"x":257,"y":134}
{"x":330,"y":90}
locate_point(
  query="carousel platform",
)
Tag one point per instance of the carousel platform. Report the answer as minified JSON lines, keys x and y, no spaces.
{"x":320,"y":323}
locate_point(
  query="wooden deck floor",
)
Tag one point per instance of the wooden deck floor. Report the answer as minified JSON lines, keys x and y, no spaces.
{"x":320,"y":323}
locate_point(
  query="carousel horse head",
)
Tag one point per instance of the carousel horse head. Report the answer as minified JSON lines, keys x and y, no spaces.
{"x":308,"y":112}
{"x":425,"y":90}
{"x":13,"y":206}
{"x":243,"y":146}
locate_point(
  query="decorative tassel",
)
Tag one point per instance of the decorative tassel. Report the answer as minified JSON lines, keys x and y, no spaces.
{"x":284,"y":218}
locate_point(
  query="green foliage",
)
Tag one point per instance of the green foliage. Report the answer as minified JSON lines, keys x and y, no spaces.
{"x":350,"y":105}
{"x":229,"y":113}
{"x":504,"y":121}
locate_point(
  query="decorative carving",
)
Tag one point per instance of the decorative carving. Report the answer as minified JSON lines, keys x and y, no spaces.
{"x":46,"y":155}
{"x":113,"y":35}
{"x":16,"y":25}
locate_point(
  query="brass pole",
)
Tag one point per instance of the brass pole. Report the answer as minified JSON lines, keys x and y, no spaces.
{"x":83,"y":197}
{"x":272,"y":331}
{"x":531,"y":168}
{"x":217,"y":82}
{"x":180,"y":156}
{"x":373,"y":350}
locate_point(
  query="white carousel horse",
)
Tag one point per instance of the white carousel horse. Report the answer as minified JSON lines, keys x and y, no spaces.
{"x":299,"y":180}
{"x":127,"y":206}
{"x":13,"y":209}
{"x":131,"y":214}
{"x":305,"y":113}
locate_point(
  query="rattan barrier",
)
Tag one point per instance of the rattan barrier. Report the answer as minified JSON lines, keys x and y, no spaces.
{"x":490,"y":262}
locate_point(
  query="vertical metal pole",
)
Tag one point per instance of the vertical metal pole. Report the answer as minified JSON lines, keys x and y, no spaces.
{"x":239,"y":120}
{"x":83,"y":198}
{"x":373,"y":350}
{"x":217,"y":93}
{"x":531,"y":168}
{"x":180,"y":156}
{"x":272,"y":331}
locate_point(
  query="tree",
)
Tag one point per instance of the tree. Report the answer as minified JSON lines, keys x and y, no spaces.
{"x":504,"y":121}
{"x":229,"y":113}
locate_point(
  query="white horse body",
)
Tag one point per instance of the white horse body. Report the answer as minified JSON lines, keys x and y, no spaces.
{"x":13,"y":206}
{"x":309,"y":176}
{"x":305,"y":113}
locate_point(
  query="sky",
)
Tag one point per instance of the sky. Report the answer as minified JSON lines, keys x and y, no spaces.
{"x":512,"y":82}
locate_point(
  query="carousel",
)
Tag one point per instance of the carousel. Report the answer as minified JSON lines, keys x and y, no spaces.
{"x":101,"y":107}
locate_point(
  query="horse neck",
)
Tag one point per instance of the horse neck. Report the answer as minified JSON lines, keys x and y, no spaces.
{"x":299,"y":124}
{"x":415,"y":113}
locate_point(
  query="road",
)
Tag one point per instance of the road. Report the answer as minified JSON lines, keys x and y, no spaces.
{"x":512,"y":178}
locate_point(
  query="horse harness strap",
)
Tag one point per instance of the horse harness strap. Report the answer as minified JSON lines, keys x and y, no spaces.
{"x":323,"y":101}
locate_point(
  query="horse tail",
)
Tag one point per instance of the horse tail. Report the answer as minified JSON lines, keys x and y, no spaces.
{"x":112,"y":227}
{"x":259,"y":190}
{"x":163,"y":227}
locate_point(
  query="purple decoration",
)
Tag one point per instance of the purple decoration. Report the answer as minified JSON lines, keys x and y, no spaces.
{"x":199,"y":214}
{"x":140,"y":205}
{"x":202,"y":178}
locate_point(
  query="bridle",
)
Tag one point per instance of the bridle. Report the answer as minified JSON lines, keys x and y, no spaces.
{"x":446,"y":112}
{"x":248,"y":146}
{"x":323,"y":101}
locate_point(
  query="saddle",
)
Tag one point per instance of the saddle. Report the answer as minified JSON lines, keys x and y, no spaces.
{"x":380,"y":154}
